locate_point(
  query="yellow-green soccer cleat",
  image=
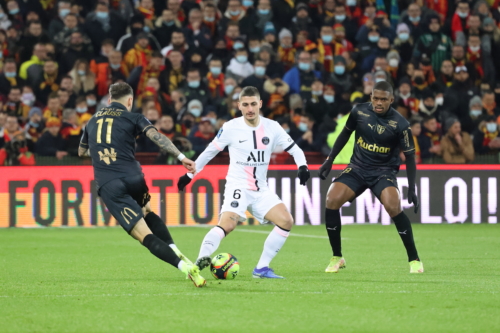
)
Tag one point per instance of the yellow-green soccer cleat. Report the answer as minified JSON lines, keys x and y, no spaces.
{"x":193,"y":273}
{"x":336,"y":263}
{"x":416,"y":266}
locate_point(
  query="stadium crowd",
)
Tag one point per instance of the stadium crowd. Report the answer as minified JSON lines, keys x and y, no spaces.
{"x":187,"y":61}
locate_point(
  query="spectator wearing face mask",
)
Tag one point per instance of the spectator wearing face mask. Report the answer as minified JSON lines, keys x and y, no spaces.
{"x":393,"y":68}
{"x":81,"y":107}
{"x":486,"y":137}
{"x":429,"y":139}
{"x":9,"y":77}
{"x":414,"y":21}
{"x":239,"y":68}
{"x":35,"y":126}
{"x":312,"y":139}
{"x":301,"y":77}
{"x":317,"y":106}
{"x":195,"y":89}
{"x":404,"y":42}
{"x":215,"y":78}
{"x":257,"y":79}
{"x":427,"y":105}
{"x":459,"y":22}
{"x":368,"y":43}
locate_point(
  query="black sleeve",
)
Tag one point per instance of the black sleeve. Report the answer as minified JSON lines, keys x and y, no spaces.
{"x":352,"y":121}
{"x":142,"y":124}
{"x":84,"y":141}
{"x":406,"y":140}
{"x":411,"y":171}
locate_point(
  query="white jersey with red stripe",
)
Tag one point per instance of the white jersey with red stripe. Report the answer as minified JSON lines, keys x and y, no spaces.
{"x":250,"y":150}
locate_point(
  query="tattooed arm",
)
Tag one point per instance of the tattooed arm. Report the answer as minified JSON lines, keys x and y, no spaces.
{"x":163,"y":142}
{"x":167,"y":146}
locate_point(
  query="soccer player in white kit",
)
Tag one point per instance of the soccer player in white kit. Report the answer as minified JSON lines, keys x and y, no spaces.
{"x":251,"y":140}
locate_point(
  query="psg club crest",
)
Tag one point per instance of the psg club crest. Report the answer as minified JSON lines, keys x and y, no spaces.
{"x":380,"y":129}
{"x":234,"y":204}
{"x":265,"y":140}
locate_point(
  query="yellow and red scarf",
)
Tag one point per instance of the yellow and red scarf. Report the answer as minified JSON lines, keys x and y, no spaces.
{"x":49,"y":82}
{"x":147,"y":73}
{"x":216,"y":84}
{"x":149,"y":14}
{"x":287,"y":56}
{"x":475,"y":58}
{"x":327,"y":52}
{"x":488,"y":137}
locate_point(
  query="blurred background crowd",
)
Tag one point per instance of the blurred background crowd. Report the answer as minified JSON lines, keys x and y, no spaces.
{"x":188,"y":60}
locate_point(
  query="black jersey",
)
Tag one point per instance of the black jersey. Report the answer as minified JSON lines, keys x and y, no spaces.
{"x":110,"y":135}
{"x":379,"y":139}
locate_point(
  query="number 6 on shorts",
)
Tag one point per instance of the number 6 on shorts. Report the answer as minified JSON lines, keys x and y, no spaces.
{"x":237,"y":194}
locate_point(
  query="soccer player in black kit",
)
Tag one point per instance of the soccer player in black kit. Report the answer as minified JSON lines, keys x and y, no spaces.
{"x":109,"y":138}
{"x":380,"y":134}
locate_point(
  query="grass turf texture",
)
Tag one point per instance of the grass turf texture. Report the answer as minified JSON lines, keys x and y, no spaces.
{"x":101,"y":280}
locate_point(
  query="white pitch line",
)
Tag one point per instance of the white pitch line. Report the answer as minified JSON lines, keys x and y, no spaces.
{"x":291,"y":234}
{"x":257,"y":292}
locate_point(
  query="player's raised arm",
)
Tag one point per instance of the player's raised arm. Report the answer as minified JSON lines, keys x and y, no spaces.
{"x":339,"y":144}
{"x":291,"y":148}
{"x":167,"y":146}
{"x":217,"y":145}
{"x":408,"y":146}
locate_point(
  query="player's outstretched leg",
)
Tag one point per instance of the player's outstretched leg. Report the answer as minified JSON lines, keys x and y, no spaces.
{"x":338,"y":194}
{"x":162,"y":251}
{"x":211,"y":242}
{"x":160,"y":230}
{"x":392,"y":204}
{"x":283,"y":221}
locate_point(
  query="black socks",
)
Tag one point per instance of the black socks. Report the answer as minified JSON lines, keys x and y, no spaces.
{"x":158,"y":228}
{"x":161,"y":250}
{"x":403,"y":225}
{"x":333,"y":227}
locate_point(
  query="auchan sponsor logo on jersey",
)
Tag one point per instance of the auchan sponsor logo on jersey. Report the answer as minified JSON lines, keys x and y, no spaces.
{"x":372,"y":147}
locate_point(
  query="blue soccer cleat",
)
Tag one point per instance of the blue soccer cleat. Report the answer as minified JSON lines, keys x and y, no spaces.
{"x":265,"y":273}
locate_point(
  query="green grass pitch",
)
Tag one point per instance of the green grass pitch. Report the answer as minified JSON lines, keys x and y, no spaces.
{"x":101,"y":280}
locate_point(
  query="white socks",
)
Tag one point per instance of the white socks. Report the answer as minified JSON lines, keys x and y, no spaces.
{"x":211,"y":241}
{"x":272,"y":246}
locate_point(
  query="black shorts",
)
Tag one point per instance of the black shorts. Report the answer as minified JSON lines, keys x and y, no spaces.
{"x":359,"y":180}
{"x":124,"y":198}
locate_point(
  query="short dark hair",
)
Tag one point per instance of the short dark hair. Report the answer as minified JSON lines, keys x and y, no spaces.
{"x":384,"y":86}
{"x":15,"y":88}
{"x":250,"y":91}
{"x":156,"y":54}
{"x":414,"y":121}
{"x":119,"y":90}
{"x":108,"y":41}
{"x":428,"y":118}
{"x":53,"y":95}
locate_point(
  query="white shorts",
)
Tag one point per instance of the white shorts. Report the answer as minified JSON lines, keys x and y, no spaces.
{"x":258,"y":203}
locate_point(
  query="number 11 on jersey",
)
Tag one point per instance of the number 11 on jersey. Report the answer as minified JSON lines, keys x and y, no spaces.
{"x":108,"y":130}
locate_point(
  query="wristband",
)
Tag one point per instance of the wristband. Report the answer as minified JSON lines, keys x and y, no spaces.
{"x":181,"y":157}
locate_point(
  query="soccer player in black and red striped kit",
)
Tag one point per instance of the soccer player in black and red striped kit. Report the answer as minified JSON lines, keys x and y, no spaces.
{"x":380,"y":134}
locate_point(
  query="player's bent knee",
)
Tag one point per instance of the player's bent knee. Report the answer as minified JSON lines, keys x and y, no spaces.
{"x":333,"y":202}
{"x":228,"y":221}
{"x":393,"y":209}
{"x":287,"y":222}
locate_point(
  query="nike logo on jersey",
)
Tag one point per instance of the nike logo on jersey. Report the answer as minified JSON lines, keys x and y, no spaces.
{"x":243,"y":141}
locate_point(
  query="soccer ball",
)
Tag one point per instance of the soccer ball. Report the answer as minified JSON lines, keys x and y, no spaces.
{"x":224,"y":266}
